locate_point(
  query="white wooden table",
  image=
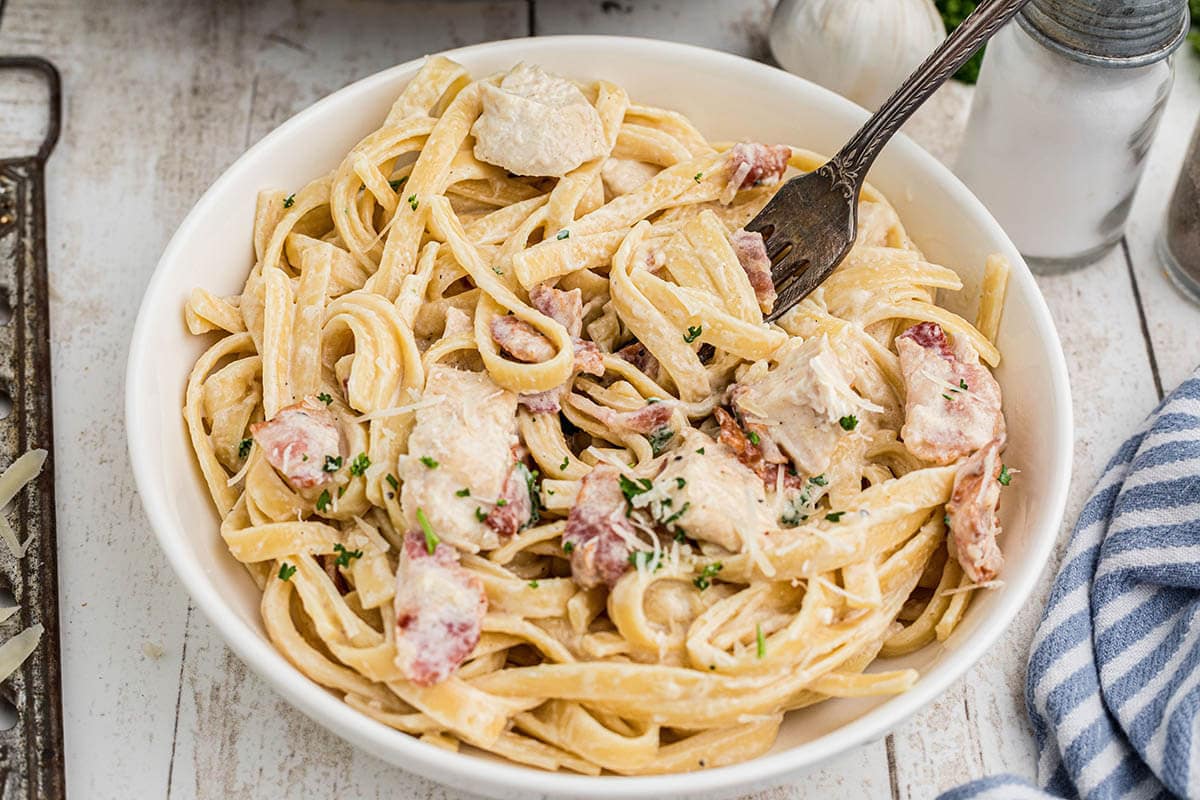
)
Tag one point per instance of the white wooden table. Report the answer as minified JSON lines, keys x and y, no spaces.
{"x":160,"y":96}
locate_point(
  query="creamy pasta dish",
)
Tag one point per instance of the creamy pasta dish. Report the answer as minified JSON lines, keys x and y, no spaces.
{"x":499,"y":430}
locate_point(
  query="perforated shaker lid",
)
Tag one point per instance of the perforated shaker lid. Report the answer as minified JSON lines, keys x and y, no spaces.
{"x":1113,"y":33}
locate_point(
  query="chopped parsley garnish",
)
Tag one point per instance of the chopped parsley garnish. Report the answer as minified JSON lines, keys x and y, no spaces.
{"x":700,"y":450}
{"x":946,"y":519}
{"x":500,"y":503}
{"x":642,"y":558}
{"x":332,"y":464}
{"x":680,"y":535}
{"x":479,"y":514}
{"x":244,"y":448}
{"x":358,"y":466}
{"x":692,"y":333}
{"x":431,"y":538}
{"x":760,"y":641}
{"x":946,"y":396}
{"x":429,"y":462}
{"x":1005,"y":477}
{"x":412,"y":202}
{"x":848,"y":422}
{"x":819,"y":480}
{"x":289,"y":201}
{"x":834,"y":516}
{"x":698,"y":176}
{"x":497,"y":270}
{"x":463,"y":492}
{"x":392,"y":482}
{"x":706,"y":575}
{"x":680,"y":482}
{"x":566,"y":462}
{"x":563,"y":234}
{"x":755,"y":439}
{"x":677,"y":514}
{"x":323,"y":501}
{"x":286,"y":571}
{"x":345,"y":556}
{"x":396,"y":184}
{"x":535,"y":496}
{"x":325,"y":398}
{"x":632,"y":489}
{"x":962,"y":386}
{"x":341,"y":491}
{"x":659,"y":438}
{"x":533,"y":584}
{"x":568,"y":547}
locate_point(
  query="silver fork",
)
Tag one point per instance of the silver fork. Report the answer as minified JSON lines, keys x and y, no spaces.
{"x":810,"y":223}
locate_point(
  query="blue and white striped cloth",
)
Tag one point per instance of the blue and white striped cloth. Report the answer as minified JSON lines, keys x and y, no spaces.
{"x":1113,"y":689}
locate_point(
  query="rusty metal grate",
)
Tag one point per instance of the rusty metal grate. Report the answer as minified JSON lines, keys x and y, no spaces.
{"x":31,"y":751}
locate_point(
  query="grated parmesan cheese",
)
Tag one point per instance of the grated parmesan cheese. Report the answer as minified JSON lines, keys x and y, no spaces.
{"x":13,"y":480}
{"x":14,"y":652}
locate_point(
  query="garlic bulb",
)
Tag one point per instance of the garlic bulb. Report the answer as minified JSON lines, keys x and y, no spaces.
{"x":860,"y":49}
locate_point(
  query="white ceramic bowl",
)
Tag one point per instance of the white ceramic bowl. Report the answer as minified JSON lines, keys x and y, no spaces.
{"x":728,"y":98}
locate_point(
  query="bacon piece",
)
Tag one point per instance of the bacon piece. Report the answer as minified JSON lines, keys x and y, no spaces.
{"x":297,"y":440}
{"x":972,"y":513}
{"x":764,"y":458}
{"x":439,"y":611}
{"x":598,"y":533}
{"x":754,"y":164}
{"x":943,"y":421}
{"x":588,"y":358}
{"x":521,"y":340}
{"x":640,"y":357}
{"x":648,"y":419}
{"x":517,"y":510}
{"x":566,"y":308}
{"x":752,"y":255}
{"x":547,"y":402}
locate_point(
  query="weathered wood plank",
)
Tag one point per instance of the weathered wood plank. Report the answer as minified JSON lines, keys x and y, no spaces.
{"x":737,"y":26}
{"x":135,"y":148}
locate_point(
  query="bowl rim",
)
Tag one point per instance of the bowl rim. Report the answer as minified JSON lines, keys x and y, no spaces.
{"x":470,"y":771}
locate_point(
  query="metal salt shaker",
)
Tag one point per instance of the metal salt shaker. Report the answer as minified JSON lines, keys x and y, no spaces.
{"x":1065,"y":111}
{"x":1179,"y":244}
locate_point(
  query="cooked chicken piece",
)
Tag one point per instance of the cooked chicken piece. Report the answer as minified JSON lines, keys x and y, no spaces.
{"x":457,"y":322}
{"x":566,"y":308}
{"x":439,"y":611}
{"x":640,"y":357}
{"x":952,"y":403}
{"x":799,"y":403}
{"x":514,"y":508}
{"x":752,"y":255}
{"x":972,"y":512}
{"x":599,"y":536}
{"x":464,"y":441}
{"x":521,"y":340}
{"x":753,"y":164}
{"x":297,"y":441}
{"x":625,"y":175}
{"x":711,"y":496}
{"x":535,"y":123}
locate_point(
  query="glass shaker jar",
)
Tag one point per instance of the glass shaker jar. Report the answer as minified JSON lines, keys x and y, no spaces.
{"x":1066,"y":108}
{"x":1179,"y":245}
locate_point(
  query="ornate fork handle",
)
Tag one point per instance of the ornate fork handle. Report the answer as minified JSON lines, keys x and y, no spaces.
{"x":850,"y":165}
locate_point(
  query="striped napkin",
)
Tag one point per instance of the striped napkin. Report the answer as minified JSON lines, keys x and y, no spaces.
{"x":1113,"y":689}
